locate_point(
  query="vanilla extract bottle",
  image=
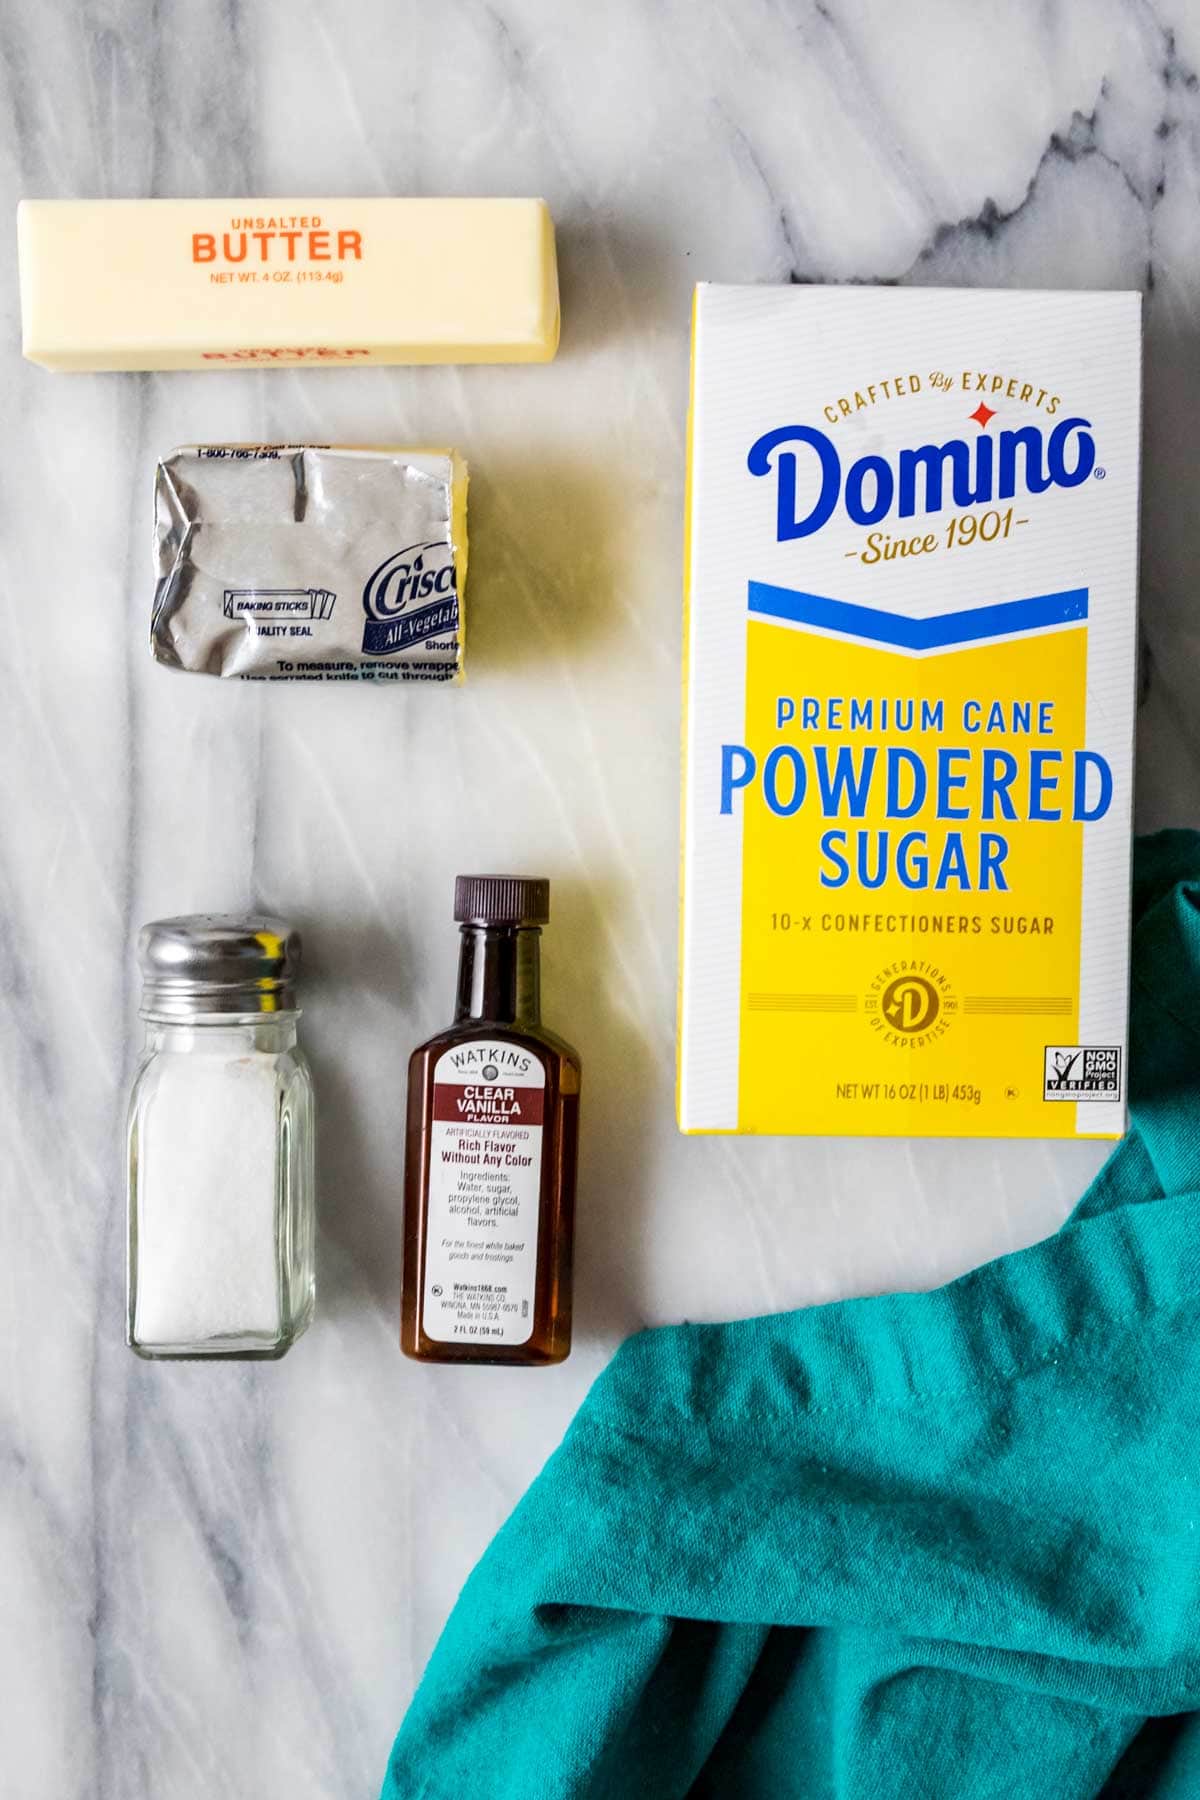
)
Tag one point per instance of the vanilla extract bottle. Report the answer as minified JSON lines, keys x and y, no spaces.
{"x":489,"y":1179}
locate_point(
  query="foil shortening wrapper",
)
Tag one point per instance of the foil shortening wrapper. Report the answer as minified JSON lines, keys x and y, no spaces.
{"x":292,"y":562}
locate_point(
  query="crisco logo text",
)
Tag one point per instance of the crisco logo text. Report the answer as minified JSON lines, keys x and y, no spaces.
{"x":810,"y":480}
{"x":422,"y":572}
{"x":411,"y":598}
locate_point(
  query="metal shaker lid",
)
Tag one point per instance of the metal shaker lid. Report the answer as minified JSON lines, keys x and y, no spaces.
{"x":209,"y":963}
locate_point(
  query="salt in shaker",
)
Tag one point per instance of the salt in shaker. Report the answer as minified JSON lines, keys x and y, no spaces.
{"x":221,"y":1144}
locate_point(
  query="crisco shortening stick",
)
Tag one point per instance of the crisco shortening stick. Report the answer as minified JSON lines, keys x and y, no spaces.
{"x":912,"y":543}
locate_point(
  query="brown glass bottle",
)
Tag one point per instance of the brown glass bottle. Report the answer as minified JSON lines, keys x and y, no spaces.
{"x":489,"y":1175}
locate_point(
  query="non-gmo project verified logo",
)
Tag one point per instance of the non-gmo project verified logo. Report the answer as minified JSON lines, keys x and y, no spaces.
{"x":1082,"y":1072}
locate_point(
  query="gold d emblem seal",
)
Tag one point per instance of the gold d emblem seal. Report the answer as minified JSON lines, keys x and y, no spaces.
{"x":910,"y":1003}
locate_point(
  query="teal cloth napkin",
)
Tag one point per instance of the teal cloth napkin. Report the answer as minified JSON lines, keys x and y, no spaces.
{"x":938,"y":1545}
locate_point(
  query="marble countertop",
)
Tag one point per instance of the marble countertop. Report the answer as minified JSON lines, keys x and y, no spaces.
{"x":224,"y":1581}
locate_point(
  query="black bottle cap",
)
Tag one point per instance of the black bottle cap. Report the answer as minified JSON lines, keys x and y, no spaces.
{"x":501,"y":900}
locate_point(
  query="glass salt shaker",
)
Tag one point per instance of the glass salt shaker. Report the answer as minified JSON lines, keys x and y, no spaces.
{"x":221,"y":1144}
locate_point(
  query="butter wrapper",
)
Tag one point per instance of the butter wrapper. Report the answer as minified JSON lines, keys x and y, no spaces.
{"x":286,"y":283}
{"x":299,"y":562}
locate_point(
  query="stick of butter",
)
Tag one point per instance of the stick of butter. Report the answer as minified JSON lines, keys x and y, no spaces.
{"x":218,"y":284}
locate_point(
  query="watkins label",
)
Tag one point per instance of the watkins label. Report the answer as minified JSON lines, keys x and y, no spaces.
{"x":485,"y":1180}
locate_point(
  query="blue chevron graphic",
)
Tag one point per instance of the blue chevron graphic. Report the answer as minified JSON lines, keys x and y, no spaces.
{"x":946,"y":631}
